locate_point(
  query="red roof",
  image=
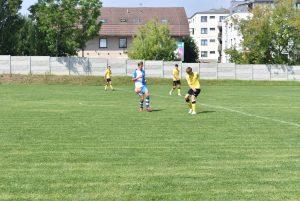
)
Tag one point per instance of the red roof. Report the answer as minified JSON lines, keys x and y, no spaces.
{"x":125,"y":21}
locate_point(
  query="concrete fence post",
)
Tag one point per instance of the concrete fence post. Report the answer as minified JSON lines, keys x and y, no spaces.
{"x":10,"y":70}
{"x":30,"y":65}
{"x":69,"y":66}
{"x":217,"y":71}
{"x":234,"y":71}
{"x":252,"y":72}
{"x":199,"y":68}
{"x":163,"y":69}
{"x":49,"y":64}
{"x":126,"y":67}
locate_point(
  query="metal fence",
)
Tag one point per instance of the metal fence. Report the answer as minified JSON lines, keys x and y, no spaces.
{"x":163,"y":69}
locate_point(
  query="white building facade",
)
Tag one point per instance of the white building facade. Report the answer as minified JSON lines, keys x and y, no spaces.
{"x":206,"y":30}
{"x":231,"y":35}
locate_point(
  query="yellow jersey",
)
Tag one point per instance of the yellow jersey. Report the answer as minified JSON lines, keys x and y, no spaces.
{"x":108,"y":73}
{"x":193,"y":80}
{"x":176,"y":74}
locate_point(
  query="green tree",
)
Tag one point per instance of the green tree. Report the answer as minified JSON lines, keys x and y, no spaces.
{"x":88,"y":26}
{"x":153,"y":42}
{"x":66,"y":24}
{"x":10,"y":23}
{"x":191,"y":51}
{"x":271,"y":35}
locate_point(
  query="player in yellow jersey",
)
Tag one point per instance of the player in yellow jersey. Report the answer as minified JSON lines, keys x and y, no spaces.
{"x":192,"y":79}
{"x":176,"y":80}
{"x":107,"y":77}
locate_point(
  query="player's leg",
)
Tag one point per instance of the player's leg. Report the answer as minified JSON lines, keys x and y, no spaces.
{"x":193,"y":101}
{"x":173,"y":88}
{"x":147,"y":98}
{"x":110,"y":85}
{"x":141,"y":102}
{"x":179,"y":87}
{"x":105,"y":87}
{"x":188,"y":101}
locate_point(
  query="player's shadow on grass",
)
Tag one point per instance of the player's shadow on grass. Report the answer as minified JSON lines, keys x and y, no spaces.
{"x":207,"y":111}
{"x":157,"y":110}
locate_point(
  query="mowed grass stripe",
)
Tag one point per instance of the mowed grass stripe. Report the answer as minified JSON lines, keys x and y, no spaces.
{"x":116,"y":153}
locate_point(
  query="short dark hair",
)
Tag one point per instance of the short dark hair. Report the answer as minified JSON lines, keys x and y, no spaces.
{"x":140,"y":63}
{"x":176,"y":65}
{"x":189,"y":70}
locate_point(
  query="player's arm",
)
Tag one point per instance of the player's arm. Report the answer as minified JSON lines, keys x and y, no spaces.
{"x":134,"y":77}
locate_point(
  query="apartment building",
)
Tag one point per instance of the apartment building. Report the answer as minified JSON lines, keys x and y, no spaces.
{"x":206,"y":30}
{"x":120,"y":25}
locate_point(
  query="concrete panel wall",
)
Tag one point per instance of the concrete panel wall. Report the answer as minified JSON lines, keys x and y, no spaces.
{"x":59,"y":65}
{"x":226,"y":71}
{"x":4,"y":64}
{"x":209,"y":71}
{"x":118,"y":67}
{"x":122,"y":67}
{"x":154,"y":68}
{"x":20,"y":65}
{"x":243,"y":72}
{"x":294,"y":73}
{"x":261,"y":72}
{"x":97,"y":66}
{"x":40,"y":65}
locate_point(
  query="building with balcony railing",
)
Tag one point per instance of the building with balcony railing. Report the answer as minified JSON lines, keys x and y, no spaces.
{"x":206,"y":30}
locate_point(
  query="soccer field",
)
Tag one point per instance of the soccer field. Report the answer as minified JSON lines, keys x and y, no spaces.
{"x":66,"y":142}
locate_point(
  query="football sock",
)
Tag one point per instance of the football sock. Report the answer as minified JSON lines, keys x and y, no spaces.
{"x":189,"y":104}
{"x":194,"y":106}
{"x":141,"y":104}
{"x":105,"y":87}
{"x":111,"y":87}
{"x":147,"y":102}
{"x":178,"y":91}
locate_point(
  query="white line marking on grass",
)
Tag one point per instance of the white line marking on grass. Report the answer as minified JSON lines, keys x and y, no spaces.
{"x":252,"y":115}
{"x":232,"y":110}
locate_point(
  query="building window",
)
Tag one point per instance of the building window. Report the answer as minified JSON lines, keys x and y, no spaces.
{"x":221,"y":18}
{"x":203,"y":42}
{"x":212,"y":29}
{"x":203,"y":18}
{"x":123,"y":43}
{"x":212,"y":40}
{"x":212,"y":52}
{"x":298,"y":5}
{"x":203,"y":53}
{"x":164,"y":21}
{"x":136,"y":20}
{"x":203,"y":30}
{"x":103,"y":42}
{"x":212,"y":17}
{"x":103,"y":21}
{"x":192,"y":31}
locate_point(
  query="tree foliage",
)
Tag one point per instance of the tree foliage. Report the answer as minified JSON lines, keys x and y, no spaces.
{"x":10,"y":23}
{"x":153,"y":42}
{"x":191,"y":51}
{"x":66,"y":24}
{"x":270,"y":36}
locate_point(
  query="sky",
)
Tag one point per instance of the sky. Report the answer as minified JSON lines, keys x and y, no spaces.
{"x":191,"y":6}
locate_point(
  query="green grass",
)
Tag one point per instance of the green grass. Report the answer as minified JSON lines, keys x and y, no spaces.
{"x":67,"y":142}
